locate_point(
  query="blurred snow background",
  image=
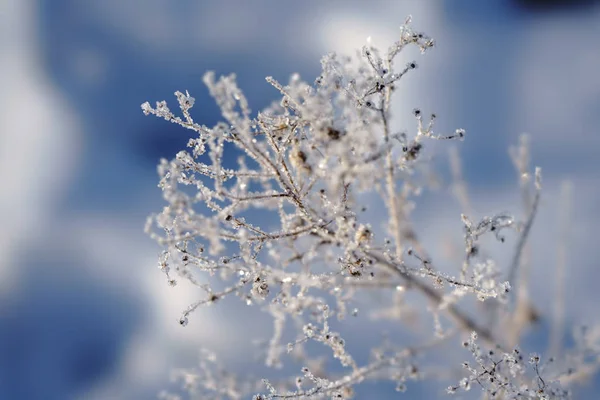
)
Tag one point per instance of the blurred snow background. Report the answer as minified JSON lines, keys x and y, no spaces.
{"x":84,"y":312}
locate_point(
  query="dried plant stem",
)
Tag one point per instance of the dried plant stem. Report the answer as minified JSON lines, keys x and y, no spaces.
{"x":516,"y":259}
{"x":393,"y":199}
{"x":558,"y":320}
{"x":466,"y":323}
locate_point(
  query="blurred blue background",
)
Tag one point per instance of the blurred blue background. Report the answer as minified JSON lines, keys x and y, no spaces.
{"x":85,"y":313}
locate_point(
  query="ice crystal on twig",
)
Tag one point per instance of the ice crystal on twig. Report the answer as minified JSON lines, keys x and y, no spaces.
{"x":282,"y":227}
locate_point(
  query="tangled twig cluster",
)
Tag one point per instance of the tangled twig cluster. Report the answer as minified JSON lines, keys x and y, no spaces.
{"x":306,"y":164}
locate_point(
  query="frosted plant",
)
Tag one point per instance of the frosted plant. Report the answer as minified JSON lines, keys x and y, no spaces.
{"x":310,"y":163}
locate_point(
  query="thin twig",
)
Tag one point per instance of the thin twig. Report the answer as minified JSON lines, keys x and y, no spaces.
{"x":558,"y":320}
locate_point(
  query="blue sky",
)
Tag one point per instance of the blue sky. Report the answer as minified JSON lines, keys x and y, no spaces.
{"x":86,"y":314}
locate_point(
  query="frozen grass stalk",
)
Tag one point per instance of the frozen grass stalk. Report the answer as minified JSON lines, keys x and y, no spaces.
{"x":314,"y":161}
